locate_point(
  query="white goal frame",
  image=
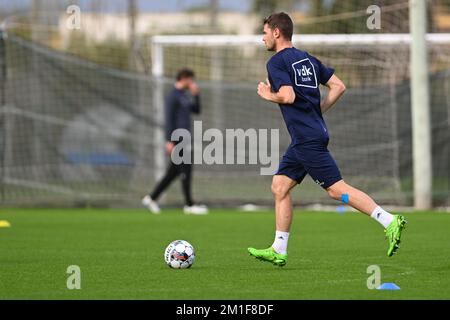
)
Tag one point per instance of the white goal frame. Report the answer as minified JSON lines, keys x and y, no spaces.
{"x":421,"y":154}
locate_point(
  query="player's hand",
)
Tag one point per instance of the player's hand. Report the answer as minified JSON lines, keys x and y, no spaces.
{"x":264,"y":89}
{"x":169,"y":147}
{"x":194,"y":88}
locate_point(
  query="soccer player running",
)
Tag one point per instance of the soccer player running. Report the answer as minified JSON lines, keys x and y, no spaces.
{"x":181,"y":101}
{"x":293,"y":82}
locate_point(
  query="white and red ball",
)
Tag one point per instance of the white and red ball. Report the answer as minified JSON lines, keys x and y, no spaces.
{"x":179,"y":254}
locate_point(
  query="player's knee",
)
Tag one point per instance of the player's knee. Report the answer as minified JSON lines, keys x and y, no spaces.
{"x":334,"y":193}
{"x":279,"y":190}
{"x":339,"y":191}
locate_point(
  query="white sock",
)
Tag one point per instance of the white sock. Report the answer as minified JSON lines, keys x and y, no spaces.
{"x":382,"y":216}
{"x":281,"y":241}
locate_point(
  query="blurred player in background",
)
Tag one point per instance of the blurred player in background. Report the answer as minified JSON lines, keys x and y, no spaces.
{"x":293,"y":82}
{"x":181,"y":101}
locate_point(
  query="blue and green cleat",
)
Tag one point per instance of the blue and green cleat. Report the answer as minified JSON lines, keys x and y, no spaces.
{"x":269,"y":255}
{"x":394,"y":232}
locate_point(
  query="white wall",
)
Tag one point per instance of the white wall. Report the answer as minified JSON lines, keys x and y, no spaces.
{"x":99,"y":27}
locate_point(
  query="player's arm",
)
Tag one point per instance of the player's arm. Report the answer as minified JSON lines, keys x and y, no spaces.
{"x":336,"y":90}
{"x":285,"y":94}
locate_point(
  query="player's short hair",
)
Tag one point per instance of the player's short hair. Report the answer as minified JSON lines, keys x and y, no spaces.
{"x":184,"y":73}
{"x":283,"y":22}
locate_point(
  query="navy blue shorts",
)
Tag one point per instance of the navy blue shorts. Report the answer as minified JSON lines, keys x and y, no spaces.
{"x":313,"y":159}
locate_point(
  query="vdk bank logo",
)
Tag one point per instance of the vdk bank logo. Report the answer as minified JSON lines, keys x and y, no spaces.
{"x":305,"y":74}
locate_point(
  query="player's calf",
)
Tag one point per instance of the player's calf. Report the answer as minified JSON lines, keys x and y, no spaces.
{"x":393,"y":224}
{"x":359,"y":200}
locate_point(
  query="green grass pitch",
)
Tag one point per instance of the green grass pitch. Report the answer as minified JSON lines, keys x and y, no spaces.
{"x":120,"y":253}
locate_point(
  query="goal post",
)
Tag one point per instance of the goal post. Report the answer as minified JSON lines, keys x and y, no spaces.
{"x":158,"y":103}
{"x":420,"y":107}
{"x":308,"y":39}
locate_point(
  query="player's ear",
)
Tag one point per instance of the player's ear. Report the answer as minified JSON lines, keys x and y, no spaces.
{"x":276,"y":33}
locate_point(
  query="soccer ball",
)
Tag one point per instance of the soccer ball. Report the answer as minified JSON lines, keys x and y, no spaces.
{"x":179,"y":254}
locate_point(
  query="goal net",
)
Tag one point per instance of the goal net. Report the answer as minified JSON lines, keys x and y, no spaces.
{"x":73,"y":131}
{"x":370,"y":127}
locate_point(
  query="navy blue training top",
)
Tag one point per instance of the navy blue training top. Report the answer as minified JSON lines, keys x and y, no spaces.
{"x":179,"y":106}
{"x":302,"y":71}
